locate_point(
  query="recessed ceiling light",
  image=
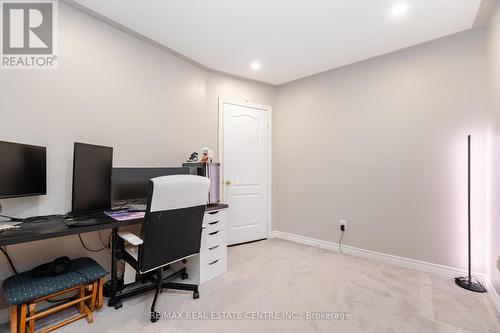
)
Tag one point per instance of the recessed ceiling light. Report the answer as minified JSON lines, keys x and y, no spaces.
{"x":255,"y":65}
{"x":399,"y":9}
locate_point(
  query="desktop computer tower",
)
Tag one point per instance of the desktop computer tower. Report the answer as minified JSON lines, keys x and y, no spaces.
{"x":211,"y":171}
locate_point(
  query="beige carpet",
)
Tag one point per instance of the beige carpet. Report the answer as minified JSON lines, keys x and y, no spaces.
{"x":291,"y":279}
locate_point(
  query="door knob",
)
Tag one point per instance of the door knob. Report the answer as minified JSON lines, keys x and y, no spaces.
{"x":228,"y":182}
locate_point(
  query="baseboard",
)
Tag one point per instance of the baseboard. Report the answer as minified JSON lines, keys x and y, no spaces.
{"x":419,"y":265}
{"x":387,"y":258}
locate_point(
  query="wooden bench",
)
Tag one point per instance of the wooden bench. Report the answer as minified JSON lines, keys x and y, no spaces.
{"x":83,"y":283}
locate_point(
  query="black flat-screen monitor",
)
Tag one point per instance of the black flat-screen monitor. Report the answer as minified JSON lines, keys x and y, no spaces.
{"x":92,"y":167}
{"x":132,"y":183}
{"x":23,"y":170}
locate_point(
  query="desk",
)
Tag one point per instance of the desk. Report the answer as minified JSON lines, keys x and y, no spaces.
{"x":55,"y":227}
{"x":52,"y":228}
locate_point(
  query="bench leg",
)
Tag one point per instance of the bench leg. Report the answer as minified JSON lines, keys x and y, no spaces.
{"x":22,"y":318}
{"x":92,"y":302}
{"x":13,"y":319}
{"x":99,"y":293}
{"x":89,"y":316}
{"x":81,"y":305}
{"x":31,"y":323}
{"x":94,"y":296}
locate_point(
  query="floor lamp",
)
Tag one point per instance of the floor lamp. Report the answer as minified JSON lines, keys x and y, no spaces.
{"x":466,"y":282}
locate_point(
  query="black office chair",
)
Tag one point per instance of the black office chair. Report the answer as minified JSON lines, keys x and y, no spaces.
{"x":171,"y":231}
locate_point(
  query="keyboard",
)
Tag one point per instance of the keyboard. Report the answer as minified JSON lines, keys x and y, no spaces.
{"x":137,"y":207}
{"x":82,"y":222}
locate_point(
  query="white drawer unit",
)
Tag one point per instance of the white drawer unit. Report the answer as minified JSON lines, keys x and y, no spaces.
{"x":213,"y":252}
{"x":214,"y":221}
{"x":212,"y":260}
{"x":209,"y":240}
{"x":213,"y":269}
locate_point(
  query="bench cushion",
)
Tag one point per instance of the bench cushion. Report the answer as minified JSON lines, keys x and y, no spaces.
{"x":22,"y":287}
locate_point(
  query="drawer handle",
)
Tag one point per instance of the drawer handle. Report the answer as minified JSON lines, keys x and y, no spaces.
{"x":212,"y":223}
{"x":213,"y":247}
{"x":213,"y":233}
{"x":214,"y":262}
{"x":213,"y":213}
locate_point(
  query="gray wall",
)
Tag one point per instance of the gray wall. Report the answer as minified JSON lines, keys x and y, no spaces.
{"x":111,"y":89}
{"x":493,"y":107}
{"x":382,"y":144}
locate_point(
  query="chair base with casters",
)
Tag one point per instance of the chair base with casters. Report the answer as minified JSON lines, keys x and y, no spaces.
{"x":162,"y":283}
{"x":153,"y":280}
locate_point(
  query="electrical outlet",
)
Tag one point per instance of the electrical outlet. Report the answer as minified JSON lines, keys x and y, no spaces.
{"x":498,"y":264}
{"x":343,"y":223}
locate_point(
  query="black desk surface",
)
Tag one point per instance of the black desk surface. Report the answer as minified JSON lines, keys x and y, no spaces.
{"x":55,"y":227}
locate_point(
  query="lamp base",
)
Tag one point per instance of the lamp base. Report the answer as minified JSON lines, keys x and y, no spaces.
{"x":467,"y":283}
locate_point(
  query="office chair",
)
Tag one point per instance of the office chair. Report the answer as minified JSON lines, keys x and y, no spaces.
{"x":171,"y":231}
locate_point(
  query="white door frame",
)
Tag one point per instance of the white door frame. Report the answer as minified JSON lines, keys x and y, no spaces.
{"x":220,"y":152}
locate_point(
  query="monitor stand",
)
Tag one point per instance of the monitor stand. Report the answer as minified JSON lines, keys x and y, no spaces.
{"x":85,"y":219}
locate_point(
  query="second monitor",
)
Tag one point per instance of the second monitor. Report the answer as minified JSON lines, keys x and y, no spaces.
{"x":92,"y":166}
{"x":131,"y":184}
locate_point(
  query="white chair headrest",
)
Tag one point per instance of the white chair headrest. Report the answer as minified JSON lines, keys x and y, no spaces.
{"x":179,"y":191}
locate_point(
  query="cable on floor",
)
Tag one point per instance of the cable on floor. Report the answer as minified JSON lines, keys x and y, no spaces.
{"x":340,"y":241}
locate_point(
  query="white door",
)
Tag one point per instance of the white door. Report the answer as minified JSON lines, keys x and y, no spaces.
{"x":246,"y":170}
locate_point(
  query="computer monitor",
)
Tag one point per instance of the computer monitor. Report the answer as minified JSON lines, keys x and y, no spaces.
{"x":132,"y":183}
{"x":23,"y":170}
{"x":92,"y":167}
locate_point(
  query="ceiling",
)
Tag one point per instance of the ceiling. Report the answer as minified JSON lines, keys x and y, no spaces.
{"x":290,"y":39}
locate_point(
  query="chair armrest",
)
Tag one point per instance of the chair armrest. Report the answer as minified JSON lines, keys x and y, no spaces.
{"x":130,"y":237}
